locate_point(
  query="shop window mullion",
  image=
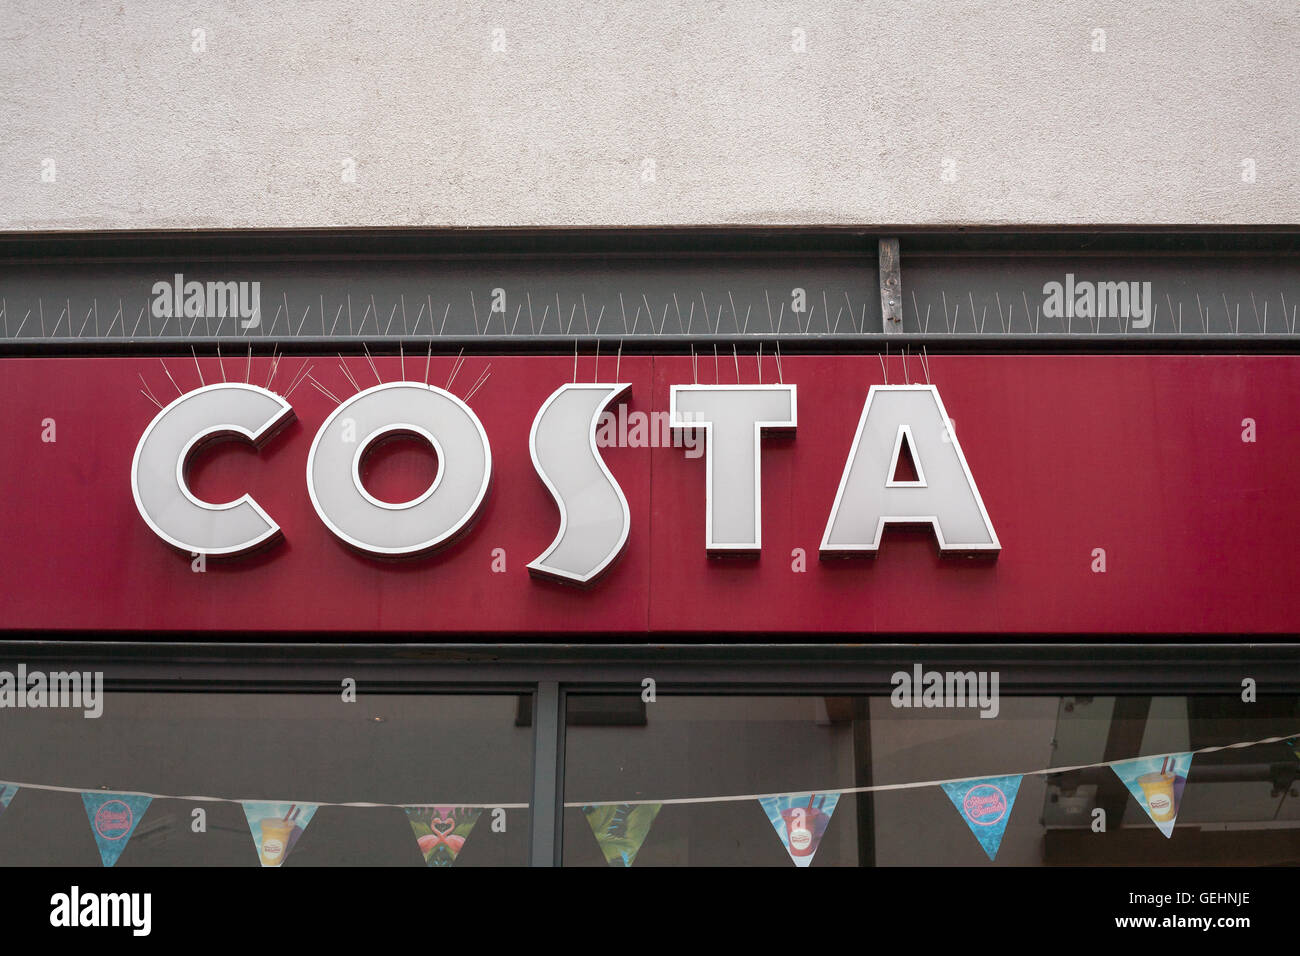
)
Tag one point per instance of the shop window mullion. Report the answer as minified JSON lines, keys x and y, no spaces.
{"x":546,"y":837}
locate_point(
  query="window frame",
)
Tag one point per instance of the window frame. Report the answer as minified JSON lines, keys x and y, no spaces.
{"x":551,"y":672}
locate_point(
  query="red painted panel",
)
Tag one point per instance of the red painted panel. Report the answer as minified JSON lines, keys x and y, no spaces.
{"x":74,"y":552}
{"x":1139,"y":455}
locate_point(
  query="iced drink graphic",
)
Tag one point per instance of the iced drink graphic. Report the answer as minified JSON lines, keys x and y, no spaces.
{"x":1158,"y":789}
{"x":804,"y":827}
{"x":275,"y":840}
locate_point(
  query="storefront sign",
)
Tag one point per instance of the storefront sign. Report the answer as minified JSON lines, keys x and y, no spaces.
{"x":1120,"y":494}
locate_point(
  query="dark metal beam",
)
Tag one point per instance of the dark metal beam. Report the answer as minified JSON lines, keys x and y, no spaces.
{"x":546,"y":836}
{"x":1025,"y":669}
{"x":866,"y":344}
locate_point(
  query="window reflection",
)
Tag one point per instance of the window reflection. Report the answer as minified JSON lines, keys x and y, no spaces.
{"x":1238,"y":806}
{"x":444,"y":749}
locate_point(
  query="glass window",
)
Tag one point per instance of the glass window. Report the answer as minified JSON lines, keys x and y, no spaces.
{"x":445,"y":749}
{"x":1238,"y":805}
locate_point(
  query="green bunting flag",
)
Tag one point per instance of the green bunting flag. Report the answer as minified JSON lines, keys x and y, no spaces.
{"x":621,"y":828}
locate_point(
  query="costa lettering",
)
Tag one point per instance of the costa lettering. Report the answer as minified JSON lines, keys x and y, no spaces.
{"x":563,"y":447}
{"x":426,"y":522}
{"x":594,"y":516}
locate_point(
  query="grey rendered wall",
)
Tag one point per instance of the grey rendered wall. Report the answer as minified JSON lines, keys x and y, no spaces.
{"x":669,"y":112}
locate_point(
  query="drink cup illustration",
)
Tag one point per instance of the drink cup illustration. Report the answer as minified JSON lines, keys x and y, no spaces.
{"x":274,"y":844}
{"x":1158,"y":789}
{"x":804,"y":827}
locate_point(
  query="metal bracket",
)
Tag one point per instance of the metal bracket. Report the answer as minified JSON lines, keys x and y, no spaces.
{"x":891,"y":287}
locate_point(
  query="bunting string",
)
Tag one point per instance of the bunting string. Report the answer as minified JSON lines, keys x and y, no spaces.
{"x":729,"y":798}
{"x":920,"y":784}
{"x":621,"y":827}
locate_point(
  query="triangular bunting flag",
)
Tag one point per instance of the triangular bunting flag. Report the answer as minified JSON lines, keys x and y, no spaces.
{"x":1157,"y":785}
{"x":800,"y":822}
{"x":7,"y":791}
{"x":621,"y":828}
{"x":985,"y":805}
{"x":442,"y":831}
{"x":276,"y":828}
{"x":113,"y":818}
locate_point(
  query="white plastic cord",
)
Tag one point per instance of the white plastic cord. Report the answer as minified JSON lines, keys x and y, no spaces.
{"x":730,"y":798}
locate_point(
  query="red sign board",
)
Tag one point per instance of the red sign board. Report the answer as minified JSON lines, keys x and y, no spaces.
{"x":1176,"y":474}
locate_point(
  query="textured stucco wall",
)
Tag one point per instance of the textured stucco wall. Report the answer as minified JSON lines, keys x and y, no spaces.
{"x":556,"y":130}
